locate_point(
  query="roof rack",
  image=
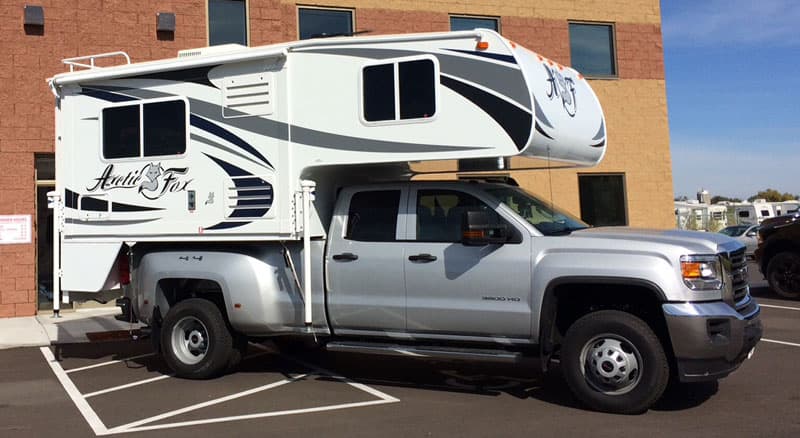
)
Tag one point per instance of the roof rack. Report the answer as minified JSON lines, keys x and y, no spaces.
{"x":74,"y":63}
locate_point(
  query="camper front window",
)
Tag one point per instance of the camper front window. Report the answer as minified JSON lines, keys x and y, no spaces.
{"x":151,"y":129}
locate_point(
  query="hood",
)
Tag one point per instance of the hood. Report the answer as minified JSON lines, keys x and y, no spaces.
{"x":696,"y":242}
{"x":781,"y":223}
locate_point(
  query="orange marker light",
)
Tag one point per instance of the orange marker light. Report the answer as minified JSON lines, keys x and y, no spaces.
{"x":540,"y":57}
{"x":473,"y":234}
{"x":691,"y":270}
{"x":513,"y":44}
{"x":482,"y":45}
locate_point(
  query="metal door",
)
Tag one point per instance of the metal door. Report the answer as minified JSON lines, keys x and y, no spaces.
{"x":463,"y":290}
{"x":366,"y":290}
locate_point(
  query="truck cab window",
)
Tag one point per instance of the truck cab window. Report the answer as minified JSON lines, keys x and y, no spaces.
{"x":440,"y":214}
{"x":373,"y":216}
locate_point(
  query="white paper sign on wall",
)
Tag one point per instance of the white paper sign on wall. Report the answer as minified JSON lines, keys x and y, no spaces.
{"x":15,"y":229}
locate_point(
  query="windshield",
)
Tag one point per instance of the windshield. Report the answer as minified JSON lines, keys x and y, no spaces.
{"x":734,"y":231}
{"x":547,"y":220}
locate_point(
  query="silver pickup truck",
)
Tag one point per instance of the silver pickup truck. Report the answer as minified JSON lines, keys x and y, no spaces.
{"x":467,"y":270}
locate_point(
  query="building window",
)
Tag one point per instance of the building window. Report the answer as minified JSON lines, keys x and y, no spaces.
{"x":227,"y":22}
{"x":602,"y":199}
{"x":469,"y":23}
{"x":592,"y":49}
{"x":373,"y":216}
{"x":163,"y":124}
{"x":406,"y":89}
{"x":317,"y":23}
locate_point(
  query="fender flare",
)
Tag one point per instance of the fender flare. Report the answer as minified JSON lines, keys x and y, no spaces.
{"x":548,"y":313}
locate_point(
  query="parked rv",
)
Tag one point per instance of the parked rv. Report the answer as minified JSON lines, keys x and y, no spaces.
{"x":752,"y":213}
{"x":239,"y":193}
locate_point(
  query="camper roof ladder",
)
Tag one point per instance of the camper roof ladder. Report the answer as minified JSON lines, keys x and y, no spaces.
{"x":79,"y":62}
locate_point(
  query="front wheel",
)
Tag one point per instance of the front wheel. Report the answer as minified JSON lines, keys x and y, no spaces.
{"x":783,"y":274}
{"x":195,"y":340}
{"x":613,"y":362}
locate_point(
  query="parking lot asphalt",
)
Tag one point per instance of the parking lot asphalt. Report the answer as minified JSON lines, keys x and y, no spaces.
{"x":78,"y":390}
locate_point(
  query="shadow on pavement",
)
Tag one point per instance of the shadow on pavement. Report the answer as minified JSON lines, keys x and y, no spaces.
{"x":681,"y":396}
{"x":521,"y":381}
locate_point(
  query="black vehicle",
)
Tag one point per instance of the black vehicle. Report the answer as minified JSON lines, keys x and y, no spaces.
{"x":778,"y":254}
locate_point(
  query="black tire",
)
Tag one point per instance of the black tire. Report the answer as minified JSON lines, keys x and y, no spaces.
{"x":195,"y":340}
{"x":613,"y":362}
{"x":783,"y":274}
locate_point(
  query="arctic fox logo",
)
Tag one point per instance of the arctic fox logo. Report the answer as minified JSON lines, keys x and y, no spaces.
{"x":152,"y":181}
{"x":152,"y":172}
{"x":563,"y":87}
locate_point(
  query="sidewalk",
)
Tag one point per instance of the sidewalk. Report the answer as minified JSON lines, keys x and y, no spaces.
{"x":42,"y":330}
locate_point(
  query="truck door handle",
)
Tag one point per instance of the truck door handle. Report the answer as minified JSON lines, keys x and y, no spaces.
{"x":345,"y":256}
{"x":424,"y":258}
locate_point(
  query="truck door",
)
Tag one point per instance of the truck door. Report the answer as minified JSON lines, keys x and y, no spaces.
{"x":463,"y":290}
{"x":366,"y":290}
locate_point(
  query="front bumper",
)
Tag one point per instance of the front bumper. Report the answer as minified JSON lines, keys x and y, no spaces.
{"x":710,"y":340}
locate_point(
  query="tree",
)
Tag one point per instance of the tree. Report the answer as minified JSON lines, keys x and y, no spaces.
{"x":772,"y":195}
{"x":683,"y":198}
{"x":717,"y":199}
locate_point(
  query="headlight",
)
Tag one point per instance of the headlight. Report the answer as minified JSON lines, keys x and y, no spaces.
{"x":701,"y":272}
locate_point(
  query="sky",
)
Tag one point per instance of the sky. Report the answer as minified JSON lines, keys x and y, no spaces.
{"x":733,"y":91}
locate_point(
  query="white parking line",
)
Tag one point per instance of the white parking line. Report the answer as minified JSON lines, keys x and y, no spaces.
{"x":772,"y":306}
{"x":129,"y":426}
{"x":127,"y":385}
{"x":111,"y":362}
{"x":99,"y":428}
{"x":254,"y":416}
{"x":791,"y":344}
{"x":83,"y":406}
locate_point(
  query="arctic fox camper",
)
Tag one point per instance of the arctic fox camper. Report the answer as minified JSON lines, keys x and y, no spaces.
{"x":239,"y":193}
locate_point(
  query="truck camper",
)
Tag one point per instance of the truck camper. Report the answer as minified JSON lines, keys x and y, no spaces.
{"x":237,"y":193}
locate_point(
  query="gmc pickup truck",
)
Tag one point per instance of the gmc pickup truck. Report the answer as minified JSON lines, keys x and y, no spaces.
{"x":464,"y":270}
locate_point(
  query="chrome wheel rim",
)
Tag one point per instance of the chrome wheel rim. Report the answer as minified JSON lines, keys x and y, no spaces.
{"x":190,"y":340}
{"x":611,"y":364}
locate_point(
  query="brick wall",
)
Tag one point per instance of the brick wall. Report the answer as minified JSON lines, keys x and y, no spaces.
{"x":72,"y":28}
{"x":635,"y":104}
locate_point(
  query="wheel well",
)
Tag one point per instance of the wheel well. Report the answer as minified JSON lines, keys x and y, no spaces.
{"x":567,"y":302}
{"x":175,"y":290}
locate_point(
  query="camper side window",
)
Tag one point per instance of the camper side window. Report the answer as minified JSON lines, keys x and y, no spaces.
{"x":399,"y":91}
{"x":163,"y":125}
{"x":121,"y":132}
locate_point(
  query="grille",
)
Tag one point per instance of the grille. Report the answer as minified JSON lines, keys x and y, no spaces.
{"x":739,"y":275}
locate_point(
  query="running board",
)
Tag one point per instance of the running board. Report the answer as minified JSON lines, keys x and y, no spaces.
{"x":424,"y":351}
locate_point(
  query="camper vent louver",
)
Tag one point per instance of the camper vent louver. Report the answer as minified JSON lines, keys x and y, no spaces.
{"x":247,"y":95}
{"x":188,"y":53}
{"x":222,"y":49}
{"x":250,"y":198}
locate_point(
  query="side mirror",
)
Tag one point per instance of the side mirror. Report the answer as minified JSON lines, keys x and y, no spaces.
{"x":477,"y":229}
